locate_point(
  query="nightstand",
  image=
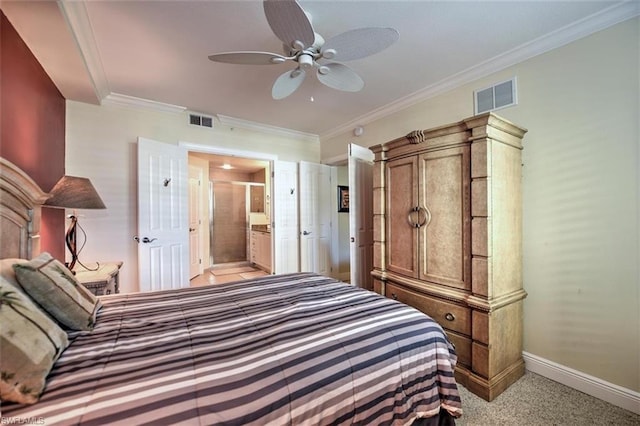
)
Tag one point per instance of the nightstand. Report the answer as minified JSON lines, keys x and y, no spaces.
{"x":104,"y":280}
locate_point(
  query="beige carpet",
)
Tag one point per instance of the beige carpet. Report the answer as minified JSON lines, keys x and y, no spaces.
{"x":537,"y":401}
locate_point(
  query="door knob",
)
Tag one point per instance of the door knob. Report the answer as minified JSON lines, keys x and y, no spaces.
{"x":192,"y":229}
{"x":306,"y":232}
{"x":144,"y":239}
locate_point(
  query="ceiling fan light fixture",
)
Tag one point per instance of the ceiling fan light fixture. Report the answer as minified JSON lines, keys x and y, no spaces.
{"x":287,"y":83}
{"x":329,"y":53}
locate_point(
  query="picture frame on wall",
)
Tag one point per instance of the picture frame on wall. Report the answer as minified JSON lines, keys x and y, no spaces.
{"x":343,"y":199}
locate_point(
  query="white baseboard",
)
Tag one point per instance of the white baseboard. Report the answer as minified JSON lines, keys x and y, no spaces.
{"x":613,"y":394}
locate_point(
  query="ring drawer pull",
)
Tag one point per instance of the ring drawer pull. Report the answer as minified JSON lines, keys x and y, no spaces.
{"x":410,"y":217}
{"x":449,"y":316}
{"x":393,"y":296}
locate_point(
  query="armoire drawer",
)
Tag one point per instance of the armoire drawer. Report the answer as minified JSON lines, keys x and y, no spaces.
{"x":448,"y":315}
{"x":463,"y":347}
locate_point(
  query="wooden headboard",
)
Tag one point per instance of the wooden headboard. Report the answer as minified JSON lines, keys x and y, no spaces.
{"x":20,"y":203}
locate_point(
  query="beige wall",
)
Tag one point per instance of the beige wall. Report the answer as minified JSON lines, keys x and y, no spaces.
{"x":101,"y":145}
{"x":580,"y":196}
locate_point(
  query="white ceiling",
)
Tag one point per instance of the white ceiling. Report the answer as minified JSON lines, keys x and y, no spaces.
{"x":157,"y":50}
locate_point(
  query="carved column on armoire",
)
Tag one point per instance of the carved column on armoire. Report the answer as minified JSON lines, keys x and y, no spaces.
{"x":379,"y":218}
{"x":497,"y":292}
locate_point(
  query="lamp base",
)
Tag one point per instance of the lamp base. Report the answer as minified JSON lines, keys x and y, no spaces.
{"x":69,"y":268}
{"x":71,"y":240}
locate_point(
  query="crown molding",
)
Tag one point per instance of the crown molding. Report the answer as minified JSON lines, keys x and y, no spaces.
{"x":591,"y":24}
{"x":77,"y":18}
{"x":265,"y":128}
{"x":75,"y":14}
{"x":132,"y":101}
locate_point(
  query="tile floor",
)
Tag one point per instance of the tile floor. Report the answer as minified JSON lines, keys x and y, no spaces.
{"x":225,"y":273}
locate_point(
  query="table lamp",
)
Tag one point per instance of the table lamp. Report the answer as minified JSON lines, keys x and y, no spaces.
{"x":72,"y":192}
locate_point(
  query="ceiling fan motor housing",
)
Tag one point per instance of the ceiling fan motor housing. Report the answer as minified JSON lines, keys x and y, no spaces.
{"x":305,"y":60}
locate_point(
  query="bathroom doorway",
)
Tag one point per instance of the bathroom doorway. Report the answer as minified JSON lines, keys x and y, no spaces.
{"x":236,"y":192}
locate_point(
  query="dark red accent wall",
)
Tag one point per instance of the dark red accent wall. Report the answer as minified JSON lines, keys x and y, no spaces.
{"x":32,"y":123}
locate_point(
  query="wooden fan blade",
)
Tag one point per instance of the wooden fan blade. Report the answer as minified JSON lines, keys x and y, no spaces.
{"x":289,"y":22}
{"x":287,"y":83}
{"x":361,"y":42}
{"x":248,"y":58}
{"x":341,"y":77}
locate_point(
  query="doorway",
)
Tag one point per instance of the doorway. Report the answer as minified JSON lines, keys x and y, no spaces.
{"x":236,"y":197}
{"x":353,"y":242}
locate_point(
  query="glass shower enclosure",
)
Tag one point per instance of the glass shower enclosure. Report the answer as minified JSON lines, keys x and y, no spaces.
{"x":228,"y":222}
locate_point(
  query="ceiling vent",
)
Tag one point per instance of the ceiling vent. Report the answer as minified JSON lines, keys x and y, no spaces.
{"x":498,"y":96}
{"x":201,"y":120}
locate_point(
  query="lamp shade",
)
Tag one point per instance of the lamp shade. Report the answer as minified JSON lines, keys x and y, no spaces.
{"x":74,"y":192}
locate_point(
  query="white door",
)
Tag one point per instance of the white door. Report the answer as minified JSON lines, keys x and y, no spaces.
{"x":315,"y":218}
{"x":195,"y":222}
{"x":284,"y":227}
{"x":361,"y":215}
{"x":163,"y":225}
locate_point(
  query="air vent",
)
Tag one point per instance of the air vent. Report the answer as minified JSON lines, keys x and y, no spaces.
{"x":498,"y":96}
{"x":201,"y":120}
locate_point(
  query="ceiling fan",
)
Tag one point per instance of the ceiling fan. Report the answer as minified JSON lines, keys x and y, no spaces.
{"x":309,"y":51}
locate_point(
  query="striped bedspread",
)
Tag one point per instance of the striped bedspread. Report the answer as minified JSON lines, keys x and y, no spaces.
{"x":296,"y":349}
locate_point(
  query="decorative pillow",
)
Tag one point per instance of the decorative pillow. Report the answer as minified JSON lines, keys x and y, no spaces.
{"x":57,"y":291}
{"x":30,"y":342}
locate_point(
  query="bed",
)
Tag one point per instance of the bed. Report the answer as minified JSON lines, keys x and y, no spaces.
{"x":290,"y":349}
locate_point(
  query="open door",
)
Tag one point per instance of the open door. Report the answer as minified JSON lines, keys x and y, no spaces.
{"x":284,"y":226}
{"x":195,"y":221}
{"x":163,"y":225}
{"x":315,"y":218}
{"x":361,"y":215}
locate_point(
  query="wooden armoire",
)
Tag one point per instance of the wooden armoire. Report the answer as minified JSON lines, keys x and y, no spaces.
{"x":447,"y":240}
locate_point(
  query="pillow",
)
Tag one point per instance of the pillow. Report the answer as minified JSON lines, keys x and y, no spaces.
{"x":30,"y":342}
{"x":50,"y":284}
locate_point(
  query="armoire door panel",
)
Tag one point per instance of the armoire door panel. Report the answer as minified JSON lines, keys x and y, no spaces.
{"x":402,"y":198}
{"x":445,"y":240}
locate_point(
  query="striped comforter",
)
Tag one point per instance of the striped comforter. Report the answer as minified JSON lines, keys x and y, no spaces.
{"x":291,"y":349}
